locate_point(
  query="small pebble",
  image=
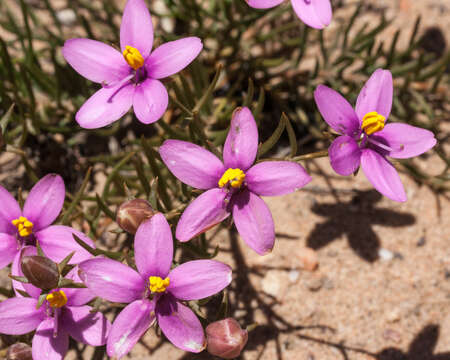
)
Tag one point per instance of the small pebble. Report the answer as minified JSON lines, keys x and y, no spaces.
{"x":307,"y":259}
{"x":392,"y":335}
{"x":421,"y":241}
{"x":447,"y":274}
{"x":293,"y":276}
{"x":385,"y":254}
{"x":393,"y":316}
{"x":66,"y":17}
{"x":315,"y":284}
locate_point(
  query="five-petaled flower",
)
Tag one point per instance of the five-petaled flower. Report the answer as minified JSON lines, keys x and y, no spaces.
{"x":63,"y":313}
{"x":365,"y":139}
{"x":154,"y":292}
{"x":314,"y":13}
{"x":233,"y":186}
{"x":129,"y":78}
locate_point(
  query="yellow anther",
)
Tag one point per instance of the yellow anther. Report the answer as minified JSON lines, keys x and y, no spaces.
{"x":372,"y":122}
{"x":23,"y":225}
{"x":157,"y":284}
{"x":57,"y":299}
{"x":133,"y":57}
{"x":234,"y":176}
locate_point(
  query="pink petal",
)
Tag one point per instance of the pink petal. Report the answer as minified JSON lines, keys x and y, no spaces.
{"x":19,"y":315}
{"x":199,"y":279}
{"x":57,"y":242}
{"x":111,"y":280}
{"x":91,"y":328}
{"x":263,"y":4}
{"x":106,"y":106}
{"x":241,"y":144}
{"x":345,"y":155}
{"x":47,"y":347}
{"x":9,"y":247}
{"x":95,"y":60}
{"x":45,"y":201}
{"x":172,"y":57}
{"x":314,"y":13}
{"x":203,"y":213}
{"x":336,"y":111}
{"x":254,"y":221}
{"x":136,"y":29}
{"x":376,"y":95}
{"x":9,"y":211}
{"x":192,"y":164}
{"x":153,"y":247}
{"x":77,"y":296}
{"x":273,"y":178}
{"x":180,"y":325}
{"x":382,"y":174}
{"x":406,"y":141}
{"x":129,"y":326}
{"x":150,"y":101}
{"x":16,"y":270}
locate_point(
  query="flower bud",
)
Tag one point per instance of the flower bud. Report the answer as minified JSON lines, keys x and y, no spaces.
{"x":225,"y":338}
{"x":131,"y":213}
{"x":19,"y":351}
{"x":40,"y":271}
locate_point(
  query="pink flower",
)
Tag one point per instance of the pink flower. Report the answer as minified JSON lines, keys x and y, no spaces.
{"x":129,"y":78}
{"x":314,"y":13}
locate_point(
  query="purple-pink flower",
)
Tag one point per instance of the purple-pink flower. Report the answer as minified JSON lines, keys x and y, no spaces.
{"x":63,"y":313}
{"x":129,"y":77}
{"x":234,"y":186}
{"x":19,"y":228}
{"x":365,"y":139}
{"x":154,"y":291}
{"x":314,"y":13}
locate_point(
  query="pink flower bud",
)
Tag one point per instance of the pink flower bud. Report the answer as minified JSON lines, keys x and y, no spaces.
{"x":225,"y":338}
{"x":40,"y":271}
{"x":19,"y":351}
{"x":131,"y":213}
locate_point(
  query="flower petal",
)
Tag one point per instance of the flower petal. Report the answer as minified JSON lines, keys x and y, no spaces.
{"x":336,"y":111}
{"x":241,"y":144}
{"x":136,"y":29}
{"x":45,"y":201}
{"x":192,"y":164}
{"x":203,"y":213}
{"x":46,"y":346}
{"x":16,"y":270}
{"x":57,"y":242}
{"x":382,"y":174}
{"x":106,"y":106}
{"x":95,"y":60}
{"x":150,"y":101}
{"x":315,"y":13}
{"x":406,"y":140}
{"x":129,"y":326}
{"x":19,"y":315}
{"x":172,"y":57}
{"x":180,"y":325}
{"x":376,"y":95}
{"x":254,"y":221}
{"x":199,"y":279}
{"x":111,"y":280}
{"x":153,"y":247}
{"x":9,"y":211}
{"x":263,"y":4}
{"x":77,"y":296}
{"x":272,"y":178}
{"x":87,"y":327}
{"x":9,"y":247}
{"x":345,"y":155}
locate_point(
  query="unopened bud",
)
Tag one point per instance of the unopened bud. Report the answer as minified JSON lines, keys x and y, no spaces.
{"x":40,"y":271}
{"x":131,"y":213}
{"x":225,"y":338}
{"x":19,"y":351}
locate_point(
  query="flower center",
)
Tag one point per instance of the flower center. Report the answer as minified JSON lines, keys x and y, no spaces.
{"x":23,"y":225}
{"x":233,"y":176}
{"x":57,"y":299}
{"x":133,"y":57}
{"x":157,"y":284}
{"x":372,"y":122}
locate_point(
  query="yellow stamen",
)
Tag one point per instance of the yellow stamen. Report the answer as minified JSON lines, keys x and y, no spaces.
{"x":133,"y":57}
{"x":372,"y":122}
{"x":234,"y":176}
{"x":23,"y":225}
{"x":157,"y":284}
{"x":57,"y":299}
